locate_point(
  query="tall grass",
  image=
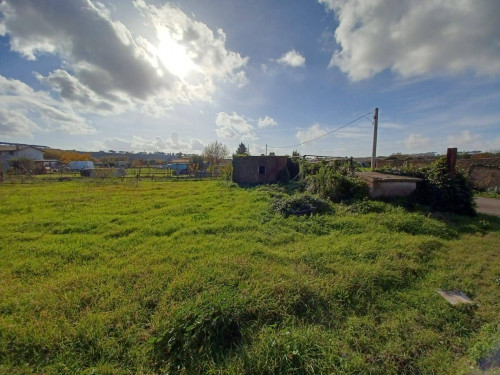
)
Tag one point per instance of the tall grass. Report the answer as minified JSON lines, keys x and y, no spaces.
{"x":203,"y":277}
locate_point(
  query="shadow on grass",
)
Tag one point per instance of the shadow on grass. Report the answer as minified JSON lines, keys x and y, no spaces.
{"x":455,"y":223}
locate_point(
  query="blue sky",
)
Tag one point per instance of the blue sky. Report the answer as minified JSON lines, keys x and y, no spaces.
{"x":150,"y":75}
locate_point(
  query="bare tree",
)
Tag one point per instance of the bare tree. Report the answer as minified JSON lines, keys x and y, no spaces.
{"x":215,"y":153}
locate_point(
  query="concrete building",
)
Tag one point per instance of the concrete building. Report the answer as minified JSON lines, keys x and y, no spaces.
{"x":388,"y":185}
{"x":18,"y":151}
{"x":253,"y":170}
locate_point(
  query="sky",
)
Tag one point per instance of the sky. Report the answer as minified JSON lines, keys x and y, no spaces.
{"x":149,"y":75}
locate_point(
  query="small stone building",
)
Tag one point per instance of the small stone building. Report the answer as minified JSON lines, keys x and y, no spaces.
{"x":388,"y":185}
{"x":253,"y":170}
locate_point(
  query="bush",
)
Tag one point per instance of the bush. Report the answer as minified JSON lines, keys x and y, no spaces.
{"x":336,"y":184}
{"x":438,"y":189}
{"x":300,"y":204}
{"x":22,"y":165}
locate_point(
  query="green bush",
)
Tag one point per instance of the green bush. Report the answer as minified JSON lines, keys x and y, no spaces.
{"x":337,"y":184}
{"x":299,"y":204}
{"x":22,"y":165}
{"x":438,"y":189}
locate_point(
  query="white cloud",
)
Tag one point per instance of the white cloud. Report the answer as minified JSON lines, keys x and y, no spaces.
{"x":314,"y":131}
{"x":74,"y":92}
{"x":414,"y":37}
{"x":481,"y":120}
{"x":197,"y":145}
{"x":107,"y":68}
{"x":292,"y":58}
{"x":464,"y":140}
{"x":390,"y":125}
{"x":257,"y":150}
{"x":417,"y":142}
{"x":173,"y":143}
{"x":190,"y":50}
{"x":233,"y":127}
{"x":24,"y":111}
{"x":353,"y":133}
{"x":14,"y":124}
{"x":266,"y":122}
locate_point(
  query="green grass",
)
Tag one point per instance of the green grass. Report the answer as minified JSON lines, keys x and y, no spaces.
{"x":487,"y":194}
{"x":126,"y":277}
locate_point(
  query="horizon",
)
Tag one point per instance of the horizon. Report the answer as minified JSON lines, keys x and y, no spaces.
{"x":231,"y":154}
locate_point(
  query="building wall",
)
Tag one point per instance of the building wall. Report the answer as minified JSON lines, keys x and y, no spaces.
{"x":30,"y":153}
{"x":391,"y":189}
{"x":246,"y":169}
{"x":485,"y":177}
{"x":484,"y":173}
{"x":27,"y":152}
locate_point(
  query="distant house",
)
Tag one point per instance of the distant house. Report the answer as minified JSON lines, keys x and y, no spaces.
{"x":80,"y":165}
{"x":179,"y":165}
{"x":18,"y":151}
{"x":49,"y":164}
{"x":252,"y":170}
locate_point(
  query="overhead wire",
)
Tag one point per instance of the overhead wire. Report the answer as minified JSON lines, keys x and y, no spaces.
{"x":324,"y":135}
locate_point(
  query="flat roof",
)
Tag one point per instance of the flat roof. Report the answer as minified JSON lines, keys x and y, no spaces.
{"x":384,"y":177}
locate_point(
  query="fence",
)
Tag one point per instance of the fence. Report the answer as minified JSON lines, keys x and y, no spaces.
{"x":137,"y":173}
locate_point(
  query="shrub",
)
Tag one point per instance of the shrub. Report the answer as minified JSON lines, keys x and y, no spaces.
{"x":299,"y":204}
{"x":336,"y":184}
{"x":22,"y":165}
{"x":438,"y":189}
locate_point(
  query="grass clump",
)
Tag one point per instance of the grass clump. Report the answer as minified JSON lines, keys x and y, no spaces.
{"x":200,"y":332}
{"x":300,"y":204}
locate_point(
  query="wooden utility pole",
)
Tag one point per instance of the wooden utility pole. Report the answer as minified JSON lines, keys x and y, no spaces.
{"x":374,"y":149}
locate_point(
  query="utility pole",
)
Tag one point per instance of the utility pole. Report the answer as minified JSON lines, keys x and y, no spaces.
{"x":374,"y":149}
{"x":266,"y":149}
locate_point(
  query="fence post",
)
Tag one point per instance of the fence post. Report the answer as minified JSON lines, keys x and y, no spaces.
{"x":451,"y":160}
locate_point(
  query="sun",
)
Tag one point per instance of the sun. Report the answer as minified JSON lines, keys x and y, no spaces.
{"x":173,"y":55}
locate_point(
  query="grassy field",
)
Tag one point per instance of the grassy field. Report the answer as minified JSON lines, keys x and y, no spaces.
{"x":126,"y":277}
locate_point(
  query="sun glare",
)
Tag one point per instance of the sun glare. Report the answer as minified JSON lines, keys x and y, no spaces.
{"x":174,"y":56}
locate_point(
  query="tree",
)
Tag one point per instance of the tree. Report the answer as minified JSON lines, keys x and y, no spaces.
{"x":241,"y":150}
{"x":215,"y":153}
{"x":22,"y":165}
{"x":65,"y":156}
{"x":196,"y":163}
{"x":295,"y":154}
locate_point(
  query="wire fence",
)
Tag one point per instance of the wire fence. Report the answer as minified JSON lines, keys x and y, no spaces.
{"x":136,"y":173}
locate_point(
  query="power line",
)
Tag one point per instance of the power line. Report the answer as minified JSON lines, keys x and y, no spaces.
{"x":324,"y":135}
